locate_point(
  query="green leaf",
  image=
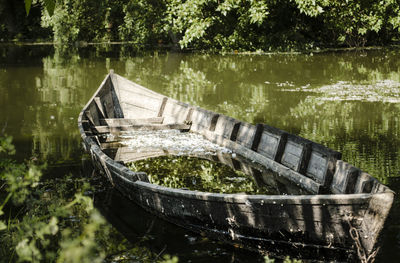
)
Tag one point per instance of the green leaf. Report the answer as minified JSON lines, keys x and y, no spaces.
{"x":28,"y":4}
{"x":2,"y":225}
{"x":269,"y":260}
{"x":50,"y":5}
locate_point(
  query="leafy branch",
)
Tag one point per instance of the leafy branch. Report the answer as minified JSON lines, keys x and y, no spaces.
{"x":49,"y":4}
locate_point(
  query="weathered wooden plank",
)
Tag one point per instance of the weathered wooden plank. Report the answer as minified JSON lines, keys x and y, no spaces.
{"x":224,"y":126}
{"x":127,"y":85}
{"x":122,"y":128}
{"x":130,"y":175}
{"x":111,"y":98}
{"x":317,"y":165}
{"x":201,"y":119}
{"x":246,"y":134}
{"x":296,"y":154}
{"x":110,"y":145}
{"x":322,"y":164}
{"x":134,"y":112}
{"x":374,"y":218}
{"x":175,"y":111}
{"x":226,"y":159}
{"x":272,"y":142}
{"x":141,"y":100}
{"x":123,"y":121}
{"x":241,"y":217}
{"x":100,"y":107}
{"x":107,"y":102}
{"x":263,"y":209}
{"x":125,"y":154}
{"x":90,"y":118}
{"x":92,"y":114}
{"x":162,"y":107}
{"x":345,"y":178}
{"x":214,"y":121}
{"x":292,"y":156}
{"x":365,"y":183}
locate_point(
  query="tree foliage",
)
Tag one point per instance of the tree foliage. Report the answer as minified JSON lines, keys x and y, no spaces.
{"x":39,"y":231}
{"x":15,"y":24}
{"x":355,"y":22}
{"x":143,"y":22}
{"x":49,"y":5}
{"x":77,"y":20}
{"x":224,"y":24}
{"x":251,"y":25}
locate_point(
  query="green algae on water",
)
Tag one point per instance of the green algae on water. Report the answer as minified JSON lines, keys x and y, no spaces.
{"x":193,"y":173}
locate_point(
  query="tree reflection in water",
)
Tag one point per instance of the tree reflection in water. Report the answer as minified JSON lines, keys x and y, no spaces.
{"x":43,"y":88}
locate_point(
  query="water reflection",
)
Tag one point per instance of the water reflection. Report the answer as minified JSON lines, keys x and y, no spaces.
{"x":270,"y":89}
{"x":214,"y":173}
{"x":42,"y":90}
{"x":41,"y":97}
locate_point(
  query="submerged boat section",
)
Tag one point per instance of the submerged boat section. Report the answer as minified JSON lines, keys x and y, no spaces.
{"x":340,"y":206}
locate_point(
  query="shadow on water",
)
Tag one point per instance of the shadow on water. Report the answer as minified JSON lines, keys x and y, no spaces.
{"x":390,"y":247}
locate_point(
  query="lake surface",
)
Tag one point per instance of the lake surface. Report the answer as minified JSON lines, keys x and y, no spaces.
{"x":348,"y":101}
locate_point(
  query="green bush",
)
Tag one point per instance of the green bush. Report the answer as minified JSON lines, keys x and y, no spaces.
{"x":143,"y":23}
{"x":217,"y":24}
{"x":38,"y":230}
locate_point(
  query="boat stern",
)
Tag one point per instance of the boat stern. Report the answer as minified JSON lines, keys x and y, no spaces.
{"x":373,"y":222}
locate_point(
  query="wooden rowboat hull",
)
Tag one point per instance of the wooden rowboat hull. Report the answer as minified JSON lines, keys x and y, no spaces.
{"x":346,"y":210}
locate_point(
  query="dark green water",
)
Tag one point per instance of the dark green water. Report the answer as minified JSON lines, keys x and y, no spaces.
{"x":209,"y":175}
{"x":349,"y":101}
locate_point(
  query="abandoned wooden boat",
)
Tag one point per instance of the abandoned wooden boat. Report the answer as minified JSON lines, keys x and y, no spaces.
{"x":345,"y":209}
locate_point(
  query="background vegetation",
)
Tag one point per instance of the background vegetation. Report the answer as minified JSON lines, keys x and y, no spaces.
{"x":206,"y":24}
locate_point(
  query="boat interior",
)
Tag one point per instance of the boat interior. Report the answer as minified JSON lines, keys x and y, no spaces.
{"x":121,"y":106}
